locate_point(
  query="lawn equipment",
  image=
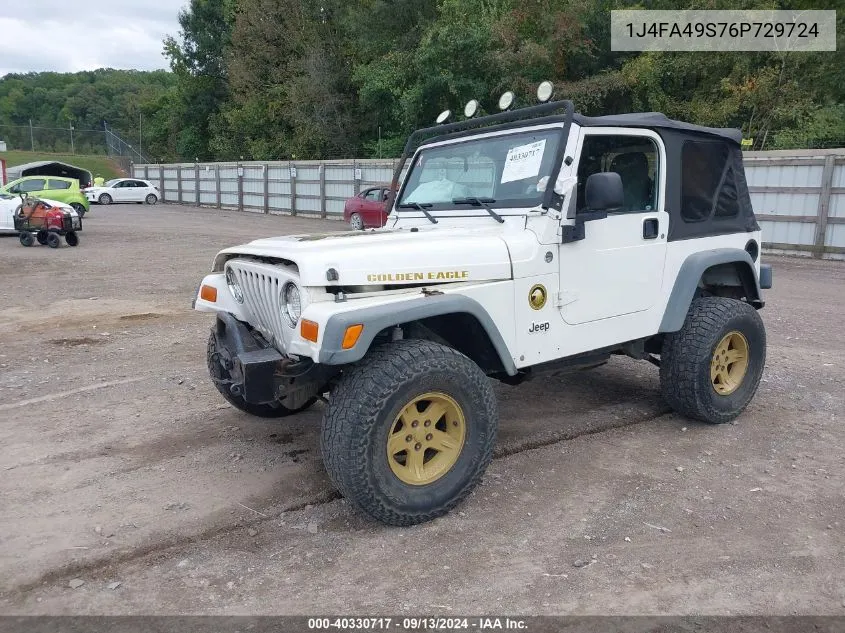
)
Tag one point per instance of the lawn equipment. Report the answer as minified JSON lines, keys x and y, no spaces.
{"x":46,"y":222}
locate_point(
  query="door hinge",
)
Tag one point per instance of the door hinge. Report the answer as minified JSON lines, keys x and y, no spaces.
{"x":565,"y":297}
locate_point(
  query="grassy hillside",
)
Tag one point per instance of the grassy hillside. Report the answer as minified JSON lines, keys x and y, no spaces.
{"x":101,"y":165}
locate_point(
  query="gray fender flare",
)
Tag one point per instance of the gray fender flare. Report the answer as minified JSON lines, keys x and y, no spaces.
{"x":686,"y":283}
{"x":377,"y":318}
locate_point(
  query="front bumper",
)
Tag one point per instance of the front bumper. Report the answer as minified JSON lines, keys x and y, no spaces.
{"x":248,"y":367}
{"x":241,"y":364}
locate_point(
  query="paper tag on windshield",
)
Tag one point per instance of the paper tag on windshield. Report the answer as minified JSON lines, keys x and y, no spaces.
{"x":524,"y":161}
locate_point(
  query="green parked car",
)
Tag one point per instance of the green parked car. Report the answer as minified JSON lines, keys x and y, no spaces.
{"x":53,"y":188}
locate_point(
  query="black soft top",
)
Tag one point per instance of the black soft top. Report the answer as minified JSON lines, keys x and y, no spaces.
{"x":706,"y":190}
{"x":655,"y":120}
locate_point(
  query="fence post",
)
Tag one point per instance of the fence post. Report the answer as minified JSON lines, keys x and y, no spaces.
{"x":322,"y":190}
{"x":162,"y":190}
{"x":292,"y":176}
{"x":197,"y":184}
{"x":179,"y":183}
{"x":217,"y":185}
{"x":824,"y":205}
{"x":146,"y":172}
{"x":355,"y":178}
{"x":266,"y":189}
{"x":240,"y":187}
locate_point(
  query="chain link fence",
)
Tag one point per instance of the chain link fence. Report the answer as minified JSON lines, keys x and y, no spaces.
{"x":69,"y":140}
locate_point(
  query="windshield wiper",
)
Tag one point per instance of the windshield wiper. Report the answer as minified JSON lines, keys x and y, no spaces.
{"x":480,"y":202}
{"x":419,"y":206}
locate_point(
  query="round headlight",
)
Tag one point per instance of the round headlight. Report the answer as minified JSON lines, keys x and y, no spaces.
{"x":234,"y":286}
{"x":292,"y":303}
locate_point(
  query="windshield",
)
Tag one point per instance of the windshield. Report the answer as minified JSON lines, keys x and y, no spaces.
{"x":509,"y":170}
{"x":112,"y":182}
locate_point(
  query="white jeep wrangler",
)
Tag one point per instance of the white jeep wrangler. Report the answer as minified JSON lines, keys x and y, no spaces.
{"x":645,"y":245}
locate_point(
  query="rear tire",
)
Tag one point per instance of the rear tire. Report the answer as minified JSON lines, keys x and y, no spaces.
{"x":53,"y":240}
{"x":373,"y":426}
{"x":79,"y":208}
{"x":104,"y":199}
{"x":356,"y":222}
{"x":711,"y":368}
{"x":26,"y":239}
{"x":259,"y":410}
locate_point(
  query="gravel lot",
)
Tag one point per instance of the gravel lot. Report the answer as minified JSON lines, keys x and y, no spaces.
{"x":121,"y":464}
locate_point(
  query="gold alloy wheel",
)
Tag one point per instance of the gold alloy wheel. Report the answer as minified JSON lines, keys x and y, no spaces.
{"x":729,"y":364}
{"x":426,"y":438}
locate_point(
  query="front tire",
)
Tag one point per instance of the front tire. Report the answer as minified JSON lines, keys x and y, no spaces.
{"x":26,"y":239}
{"x":104,"y":199}
{"x":151,"y":198}
{"x":276,"y":410}
{"x":409,"y":431}
{"x":711,"y":368}
{"x":356,"y":222}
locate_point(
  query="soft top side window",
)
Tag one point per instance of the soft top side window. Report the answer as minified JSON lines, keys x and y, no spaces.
{"x":708,"y":184}
{"x":634,"y":158}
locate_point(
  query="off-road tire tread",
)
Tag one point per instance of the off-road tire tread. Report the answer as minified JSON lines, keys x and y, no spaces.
{"x":258,"y":410}
{"x":359,"y":398}
{"x":684,"y":352}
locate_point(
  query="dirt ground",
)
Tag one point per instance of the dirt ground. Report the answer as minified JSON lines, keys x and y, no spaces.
{"x":121,"y":464}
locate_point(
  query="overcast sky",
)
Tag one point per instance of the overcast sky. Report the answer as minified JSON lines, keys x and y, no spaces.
{"x":70,"y":35}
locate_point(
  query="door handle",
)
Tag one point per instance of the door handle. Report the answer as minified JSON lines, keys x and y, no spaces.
{"x":651,"y":228}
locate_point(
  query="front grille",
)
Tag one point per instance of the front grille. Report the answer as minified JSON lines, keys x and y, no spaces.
{"x":262,"y":287}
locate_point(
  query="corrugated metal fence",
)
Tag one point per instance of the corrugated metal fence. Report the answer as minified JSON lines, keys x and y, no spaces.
{"x":798,"y":195}
{"x":314,"y":188}
{"x":799,"y":200}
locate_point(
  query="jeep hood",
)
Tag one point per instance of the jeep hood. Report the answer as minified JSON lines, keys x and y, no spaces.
{"x":386,"y":256}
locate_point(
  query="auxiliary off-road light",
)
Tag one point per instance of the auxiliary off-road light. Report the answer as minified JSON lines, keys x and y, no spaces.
{"x":351,"y":336}
{"x":506,"y":100}
{"x":208,"y":293}
{"x":471,"y":108}
{"x":309,"y":330}
{"x":545,"y":91}
{"x":443,"y":116}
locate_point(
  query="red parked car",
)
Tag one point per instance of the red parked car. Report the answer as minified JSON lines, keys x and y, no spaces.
{"x":367,"y":209}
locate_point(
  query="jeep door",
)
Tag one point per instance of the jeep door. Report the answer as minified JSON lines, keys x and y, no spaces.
{"x":617,"y":269}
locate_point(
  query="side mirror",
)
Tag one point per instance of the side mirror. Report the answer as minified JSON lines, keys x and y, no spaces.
{"x":603,"y":192}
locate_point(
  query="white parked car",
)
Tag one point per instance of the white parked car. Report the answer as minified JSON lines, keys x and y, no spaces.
{"x":9,"y":204}
{"x":123,"y":190}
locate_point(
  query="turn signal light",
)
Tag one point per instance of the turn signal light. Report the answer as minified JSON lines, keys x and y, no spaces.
{"x":208,"y":293}
{"x":309,"y":330}
{"x":351,"y":336}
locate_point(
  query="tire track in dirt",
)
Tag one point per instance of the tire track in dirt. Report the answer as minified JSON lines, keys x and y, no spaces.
{"x":157,"y":549}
